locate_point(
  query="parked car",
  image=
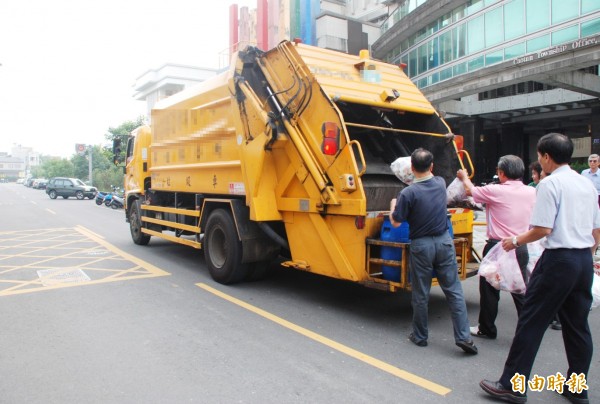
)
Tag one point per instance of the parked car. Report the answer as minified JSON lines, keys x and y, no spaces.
{"x":39,"y":183}
{"x":66,"y":187}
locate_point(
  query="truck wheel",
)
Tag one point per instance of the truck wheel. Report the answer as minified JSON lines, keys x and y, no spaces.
{"x":135,"y":226}
{"x":79,"y":195}
{"x":52,"y":194}
{"x":223,"y":249}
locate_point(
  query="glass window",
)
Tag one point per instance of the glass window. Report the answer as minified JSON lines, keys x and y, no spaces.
{"x":494,"y":33}
{"x":489,"y":2}
{"x":514,"y":19}
{"x":412,"y":63}
{"x":475,"y":31}
{"x":422,"y":59}
{"x":460,"y":69}
{"x":445,"y":47}
{"x":422,"y":83}
{"x":514,"y":51}
{"x":446,"y":20}
{"x":538,"y":14}
{"x":563,"y":10}
{"x":459,"y":41}
{"x":473,"y":6}
{"x":435,"y":77}
{"x":494,"y":57}
{"x":588,"y":6}
{"x":590,"y":28}
{"x":475,"y":64}
{"x":446,"y":74}
{"x":565,"y":35}
{"x":432,"y":53}
{"x":432,"y":28}
{"x":538,"y":43}
{"x":458,"y":13}
{"x":404,"y":59}
{"x":420,"y":35}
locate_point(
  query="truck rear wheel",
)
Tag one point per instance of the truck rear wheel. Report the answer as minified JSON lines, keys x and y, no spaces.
{"x":135,"y":225}
{"x":223,"y":249}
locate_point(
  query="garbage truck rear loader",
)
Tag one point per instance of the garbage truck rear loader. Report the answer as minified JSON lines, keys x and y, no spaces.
{"x":285,"y":154}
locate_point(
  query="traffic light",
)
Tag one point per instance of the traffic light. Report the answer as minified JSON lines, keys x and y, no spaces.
{"x":117,"y":151}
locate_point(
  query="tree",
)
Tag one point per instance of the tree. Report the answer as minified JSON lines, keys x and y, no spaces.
{"x":100,"y":162}
{"x":58,"y":168}
{"x":122,"y":132}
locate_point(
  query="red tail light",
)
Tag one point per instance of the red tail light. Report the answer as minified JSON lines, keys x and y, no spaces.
{"x":359,"y":222}
{"x":331,"y":138}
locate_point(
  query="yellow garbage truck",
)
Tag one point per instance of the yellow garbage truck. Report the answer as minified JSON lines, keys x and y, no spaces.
{"x":285,"y":156}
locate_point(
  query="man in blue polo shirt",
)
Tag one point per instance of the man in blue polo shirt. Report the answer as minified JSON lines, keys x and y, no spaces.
{"x":423,"y":205}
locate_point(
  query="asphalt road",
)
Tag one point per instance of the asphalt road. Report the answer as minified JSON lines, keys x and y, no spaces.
{"x":89,"y":317}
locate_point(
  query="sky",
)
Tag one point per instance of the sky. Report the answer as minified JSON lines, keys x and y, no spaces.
{"x":67,"y":67}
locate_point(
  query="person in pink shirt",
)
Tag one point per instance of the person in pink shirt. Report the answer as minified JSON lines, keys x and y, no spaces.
{"x":508,"y":207}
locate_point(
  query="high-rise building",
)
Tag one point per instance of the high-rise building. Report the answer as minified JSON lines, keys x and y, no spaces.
{"x":504,"y":72}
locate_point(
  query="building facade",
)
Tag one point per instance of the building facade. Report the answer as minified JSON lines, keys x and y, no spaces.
{"x":504,"y":72}
{"x":157,"y":84}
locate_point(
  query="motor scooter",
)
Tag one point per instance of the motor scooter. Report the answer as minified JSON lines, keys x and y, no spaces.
{"x":100,"y":197}
{"x":116,"y":202}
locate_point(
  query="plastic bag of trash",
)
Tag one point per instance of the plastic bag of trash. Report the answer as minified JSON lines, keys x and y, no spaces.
{"x":501,"y":270}
{"x":457,"y":196}
{"x":596,"y":291}
{"x":401,"y":167}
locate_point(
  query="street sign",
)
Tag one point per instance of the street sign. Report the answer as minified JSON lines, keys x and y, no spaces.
{"x":80,"y":148}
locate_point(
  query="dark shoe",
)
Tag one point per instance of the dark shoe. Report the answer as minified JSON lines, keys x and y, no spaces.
{"x":497,"y":390}
{"x":573,"y":398}
{"x":414,"y":340}
{"x":477,"y":333}
{"x":555,"y":325}
{"x":467,"y":346}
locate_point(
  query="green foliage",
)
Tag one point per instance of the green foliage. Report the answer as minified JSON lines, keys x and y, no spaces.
{"x":104,"y":180}
{"x":58,"y":168}
{"x":122,"y":133}
{"x":100,"y":162}
{"x":579,"y":166}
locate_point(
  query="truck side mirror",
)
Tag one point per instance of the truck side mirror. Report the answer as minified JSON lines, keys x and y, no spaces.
{"x":117,"y":151}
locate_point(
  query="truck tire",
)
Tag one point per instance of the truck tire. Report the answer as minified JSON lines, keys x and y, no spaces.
{"x":135,"y":225}
{"x":223,"y":249}
{"x":52,"y":194}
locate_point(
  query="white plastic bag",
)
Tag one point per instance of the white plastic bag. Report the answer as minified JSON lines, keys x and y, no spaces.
{"x":501,"y":270}
{"x":457,"y":196}
{"x":401,"y":167}
{"x":596,"y":291}
{"x":535,"y":251}
{"x":456,"y":192}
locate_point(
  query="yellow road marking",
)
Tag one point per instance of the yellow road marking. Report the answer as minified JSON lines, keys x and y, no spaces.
{"x":156,"y":270}
{"x":88,"y":231}
{"x":386,"y":367}
{"x":51,"y":211}
{"x":65,"y":239}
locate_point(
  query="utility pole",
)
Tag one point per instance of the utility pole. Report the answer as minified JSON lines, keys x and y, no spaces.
{"x":89,"y":148}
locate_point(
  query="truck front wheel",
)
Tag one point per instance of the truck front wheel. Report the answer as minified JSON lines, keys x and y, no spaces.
{"x":135,"y":225}
{"x":223,"y":249}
